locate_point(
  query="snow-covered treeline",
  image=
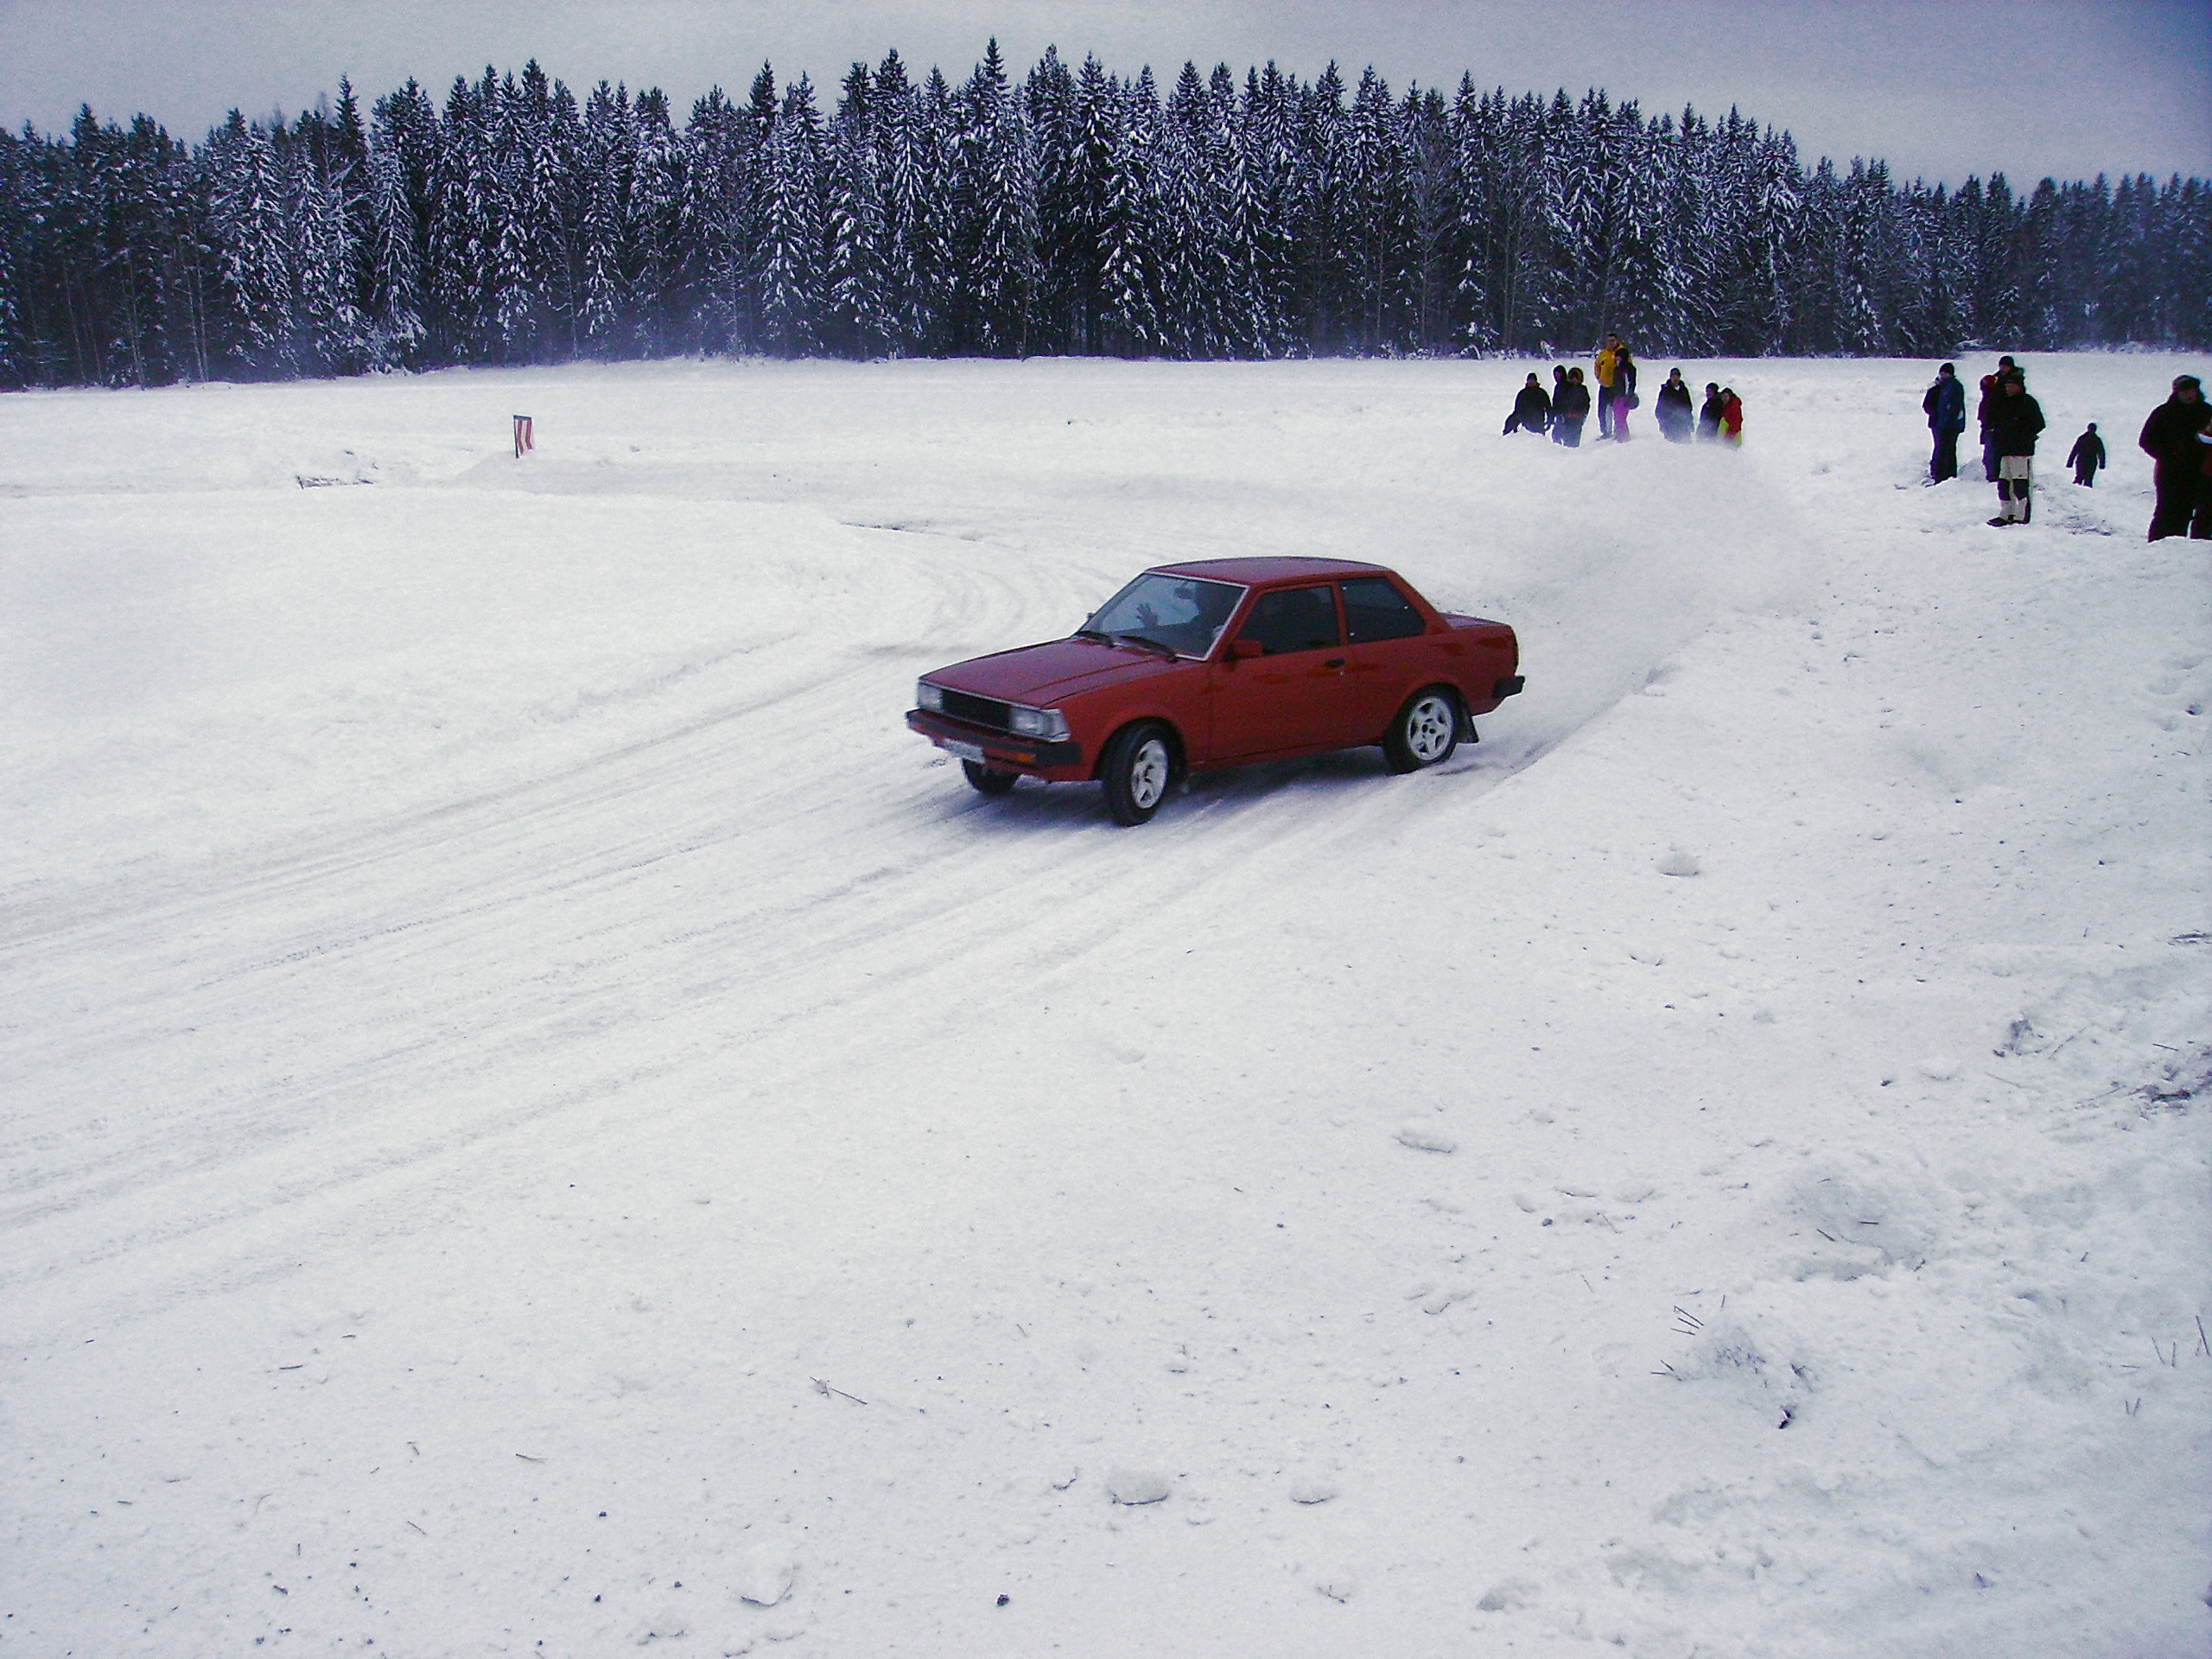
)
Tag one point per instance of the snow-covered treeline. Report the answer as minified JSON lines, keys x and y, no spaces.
{"x":1075,"y":211}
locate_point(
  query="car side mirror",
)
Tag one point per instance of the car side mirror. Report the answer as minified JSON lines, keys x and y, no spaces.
{"x":1242,"y":650}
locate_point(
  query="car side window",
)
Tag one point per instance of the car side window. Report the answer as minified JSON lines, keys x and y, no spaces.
{"x":1295,"y":619}
{"x":1374,"y":609}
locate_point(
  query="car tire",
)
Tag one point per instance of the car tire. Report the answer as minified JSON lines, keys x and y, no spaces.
{"x":985,"y":780}
{"x":1425,"y":732}
{"x":1138,"y":767}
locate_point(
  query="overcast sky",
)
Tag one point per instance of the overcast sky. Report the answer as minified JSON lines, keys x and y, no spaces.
{"x":2066,"y":88}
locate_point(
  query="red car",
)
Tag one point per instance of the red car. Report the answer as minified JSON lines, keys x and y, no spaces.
{"x":1217,"y":663}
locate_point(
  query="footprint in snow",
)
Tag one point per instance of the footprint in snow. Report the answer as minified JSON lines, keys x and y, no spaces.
{"x":769,"y":1572}
{"x":1137,"y":1487}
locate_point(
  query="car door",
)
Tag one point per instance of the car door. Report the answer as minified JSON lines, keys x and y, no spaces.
{"x":1292,"y":695}
{"x":1386,"y":652}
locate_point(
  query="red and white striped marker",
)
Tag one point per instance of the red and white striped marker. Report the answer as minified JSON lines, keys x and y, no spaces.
{"x":523,"y":440}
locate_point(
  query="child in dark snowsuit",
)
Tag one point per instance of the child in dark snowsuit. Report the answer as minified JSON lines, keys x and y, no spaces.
{"x":1709,"y":417}
{"x":1532,"y":410}
{"x":2087,"y":455}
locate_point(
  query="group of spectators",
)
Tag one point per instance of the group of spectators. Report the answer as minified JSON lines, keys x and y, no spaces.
{"x":1562,"y":412}
{"x":2177,"y":436}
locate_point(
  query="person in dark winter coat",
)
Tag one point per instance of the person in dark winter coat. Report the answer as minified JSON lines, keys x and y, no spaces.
{"x":1989,"y":439}
{"x":2015,"y":419}
{"x":1570,"y":408}
{"x":1708,"y":415}
{"x":2175,"y":437}
{"x":1625,"y":397}
{"x":1946,"y":403}
{"x":1532,"y":410}
{"x":2085,"y":456}
{"x":1672,"y":409}
{"x":1559,"y":384}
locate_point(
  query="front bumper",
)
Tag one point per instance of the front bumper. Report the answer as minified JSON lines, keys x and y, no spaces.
{"x":1003,"y":751}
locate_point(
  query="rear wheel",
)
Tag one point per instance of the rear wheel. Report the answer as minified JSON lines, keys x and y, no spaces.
{"x":1138,"y":767}
{"x":984,"y":781}
{"x":1426,"y":730}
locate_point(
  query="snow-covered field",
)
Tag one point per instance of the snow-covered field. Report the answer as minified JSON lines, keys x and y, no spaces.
{"x":539,"y":1118}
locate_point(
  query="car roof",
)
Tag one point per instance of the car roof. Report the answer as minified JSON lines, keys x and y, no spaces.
{"x":1259,"y":572}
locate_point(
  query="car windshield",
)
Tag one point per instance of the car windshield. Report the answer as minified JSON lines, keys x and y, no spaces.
{"x":1185,"y":613}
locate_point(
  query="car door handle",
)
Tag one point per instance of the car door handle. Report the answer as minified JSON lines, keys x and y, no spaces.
{"x":1334,"y":662}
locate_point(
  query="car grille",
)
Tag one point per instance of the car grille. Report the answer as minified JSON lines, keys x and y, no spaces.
{"x":982,"y":711}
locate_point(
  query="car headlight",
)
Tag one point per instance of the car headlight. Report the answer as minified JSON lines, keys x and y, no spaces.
{"x":929,"y":696}
{"x":1048,"y":723}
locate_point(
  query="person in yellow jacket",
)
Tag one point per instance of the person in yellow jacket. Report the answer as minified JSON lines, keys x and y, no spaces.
{"x":1608,"y":362}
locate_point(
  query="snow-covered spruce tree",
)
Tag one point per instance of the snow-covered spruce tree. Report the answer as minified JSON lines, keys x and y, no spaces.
{"x":15,"y":358}
{"x":1873,"y":240}
{"x":2189,"y":232}
{"x":662,"y":272}
{"x":856,"y":321}
{"x":994,"y":189}
{"x":1250,"y":317}
{"x":1268,"y":139}
{"x":466,"y":212}
{"x":1379,"y":236}
{"x":336,"y":332}
{"x":1758,"y":190}
{"x":1131,"y":268}
{"x":916,"y":165}
{"x":110,"y":202}
{"x":791,"y":227}
{"x":1439,"y":253}
{"x":1325,"y":250}
{"x":1048,"y":104}
{"x":1076,"y":194}
{"x":395,"y":317}
{"x":527,"y":262}
{"x":609,"y":156}
{"x":250,"y":218}
{"x":1987,"y":220}
{"x":1589,"y":199}
{"x":900,"y":153}
{"x":1922,"y":322}
{"x":1194,"y":272}
{"x":347,"y":169}
{"x":42,"y":228}
{"x":403,"y":150}
{"x":722,"y":187}
{"x":1817,"y":278}
{"x":1682,"y":252}
{"x":1642,"y":284}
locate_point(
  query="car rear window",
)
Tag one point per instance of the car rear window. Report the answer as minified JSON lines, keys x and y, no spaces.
{"x":1374,"y":609}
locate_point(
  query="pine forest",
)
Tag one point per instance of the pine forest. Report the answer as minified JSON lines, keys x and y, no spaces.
{"x":1070,"y":211}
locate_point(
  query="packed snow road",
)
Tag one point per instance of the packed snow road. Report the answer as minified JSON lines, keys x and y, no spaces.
{"x":526,"y":1085}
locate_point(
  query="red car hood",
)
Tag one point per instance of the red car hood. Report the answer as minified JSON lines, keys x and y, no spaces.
{"x":1050,"y":673}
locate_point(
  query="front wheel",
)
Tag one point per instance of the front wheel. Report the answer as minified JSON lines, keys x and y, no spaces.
{"x":1136,"y":771}
{"x":1426,"y":731}
{"x":986,"y":781}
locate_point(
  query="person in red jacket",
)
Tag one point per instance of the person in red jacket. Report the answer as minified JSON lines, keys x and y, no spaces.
{"x":1732,"y":417}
